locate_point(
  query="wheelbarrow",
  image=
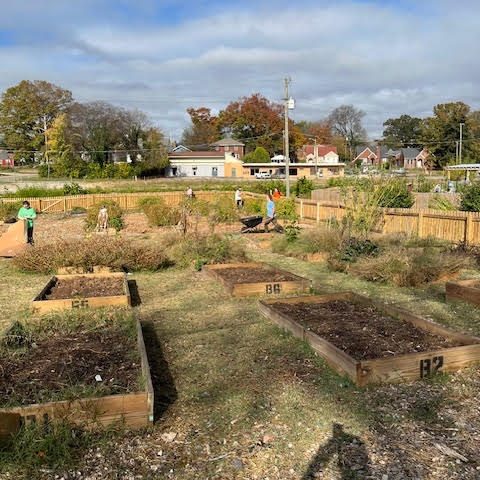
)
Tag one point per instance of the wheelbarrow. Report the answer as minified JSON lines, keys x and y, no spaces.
{"x":251,"y":224}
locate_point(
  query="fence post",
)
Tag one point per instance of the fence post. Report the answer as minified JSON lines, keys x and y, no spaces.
{"x":318,"y":212}
{"x":469,"y":228}
{"x":40,"y":205}
{"x":420,"y":224}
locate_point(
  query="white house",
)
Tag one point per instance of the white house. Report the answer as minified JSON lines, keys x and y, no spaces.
{"x":203,"y":164}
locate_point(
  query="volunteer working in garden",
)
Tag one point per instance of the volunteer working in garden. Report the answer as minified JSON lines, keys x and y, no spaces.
{"x":28,"y":215}
{"x":270,"y":212}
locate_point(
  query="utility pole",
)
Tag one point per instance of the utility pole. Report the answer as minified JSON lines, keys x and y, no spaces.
{"x":46,"y":144}
{"x":456,"y":152}
{"x":460,"y":146}
{"x":285,"y":143}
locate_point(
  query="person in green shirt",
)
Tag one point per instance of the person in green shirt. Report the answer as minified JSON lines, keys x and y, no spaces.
{"x":28,"y":215}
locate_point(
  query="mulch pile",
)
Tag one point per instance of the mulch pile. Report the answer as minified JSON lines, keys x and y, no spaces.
{"x":362,"y":331}
{"x":255,"y":275}
{"x":64,"y":361}
{"x":85,"y":287}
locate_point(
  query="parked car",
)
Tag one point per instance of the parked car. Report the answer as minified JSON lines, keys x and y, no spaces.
{"x":399,"y":171}
{"x":263,"y":175}
{"x":278,"y":175}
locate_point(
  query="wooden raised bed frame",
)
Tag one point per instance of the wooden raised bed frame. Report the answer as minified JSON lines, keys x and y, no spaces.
{"x":298,"y":285}
{"x":400,"y":368}
{"x":464,"y":290}
{"x":41,"y":306}
{"x":133,"y":410}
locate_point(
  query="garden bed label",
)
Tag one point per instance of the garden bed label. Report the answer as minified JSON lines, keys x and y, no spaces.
{"x":273,"y":288}
{"x":245,"y":279}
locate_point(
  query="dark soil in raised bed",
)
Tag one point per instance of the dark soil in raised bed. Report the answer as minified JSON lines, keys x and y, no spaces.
{"x":255,"y":275}
{"x":70,"y":362}
{"x":362,"y":331}
{"x":85,"y":287}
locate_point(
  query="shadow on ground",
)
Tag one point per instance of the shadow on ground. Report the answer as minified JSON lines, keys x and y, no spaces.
{"x":163,"y":383}
{"x":350,"y":453}
{"x":134,"y":295}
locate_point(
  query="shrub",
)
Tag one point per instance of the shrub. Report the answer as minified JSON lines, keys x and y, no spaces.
{"x":395,"y":194}
{"x":286,"y":209}
{"x":159,"y":214}
{"x":73,"y":189}
{"x":115,"y":213}
{"x":424,"y":185}
{"x":207,"y":249}
{"x":309,"y":241}
{"x":104,"y":251}
{"x":410,"y":268}
{"x":254,"y":206}
{"x":8,"y":211}
{"x":440,"y":202}
{"x":223,"y":210}
{"x":470,"y":198}
{"x":303,"y":187}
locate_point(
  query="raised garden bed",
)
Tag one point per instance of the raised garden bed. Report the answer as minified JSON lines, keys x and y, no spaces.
{"x":464,"y":290}
{"x":372,"y":342}
{"x":95,"y":290}
{"x":245,"y":279}
{"x":77,"y":358}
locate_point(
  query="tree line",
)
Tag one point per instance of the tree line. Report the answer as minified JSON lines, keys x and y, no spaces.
{"x":42,"y":122}
{"x":259,"y":124}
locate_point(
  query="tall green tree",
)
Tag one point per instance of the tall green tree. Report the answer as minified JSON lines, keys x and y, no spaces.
{"x":27,"y":111}
{"x":259,"y":155}
{"x":404,"y":131}
{"x":441,"y":132}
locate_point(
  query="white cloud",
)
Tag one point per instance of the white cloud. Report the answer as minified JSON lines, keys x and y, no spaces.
{"x":387,"y":60}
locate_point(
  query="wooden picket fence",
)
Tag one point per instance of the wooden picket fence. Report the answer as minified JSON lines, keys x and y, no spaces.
{"x":453,"y":226}
{"x":127,"y":201}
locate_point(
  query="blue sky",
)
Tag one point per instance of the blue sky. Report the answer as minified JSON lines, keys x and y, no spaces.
{"x":386,"y":57}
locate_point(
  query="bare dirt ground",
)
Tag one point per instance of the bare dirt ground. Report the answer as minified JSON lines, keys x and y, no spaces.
{"x":85,"y":287}
{"x":237,"y":399}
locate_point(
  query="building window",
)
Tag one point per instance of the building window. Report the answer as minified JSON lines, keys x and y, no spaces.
{"x":253,"y":171}
{"x":293,"y":172}
{"x":214,"y":172}
{"x":227,"y":148}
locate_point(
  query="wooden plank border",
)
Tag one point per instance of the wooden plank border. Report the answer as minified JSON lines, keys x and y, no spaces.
{"x":463,"y":290}
{"x":132,"y":410}
{"x":405,"y":367}
{"x":42,"y":306}
{"x":297,"y":285}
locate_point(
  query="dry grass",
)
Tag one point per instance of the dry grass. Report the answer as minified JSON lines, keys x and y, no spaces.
{"x":117,"y":253}
{"x":410,"y":267}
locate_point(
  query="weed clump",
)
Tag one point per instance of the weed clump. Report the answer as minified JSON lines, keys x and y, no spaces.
{"x":158,"y":213}
{"x":201,"y":250}
{"x":116,"y":253}
{"x":412,"y":267}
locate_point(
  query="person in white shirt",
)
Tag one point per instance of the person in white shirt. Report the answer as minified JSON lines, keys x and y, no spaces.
{"x":238,"y":197}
